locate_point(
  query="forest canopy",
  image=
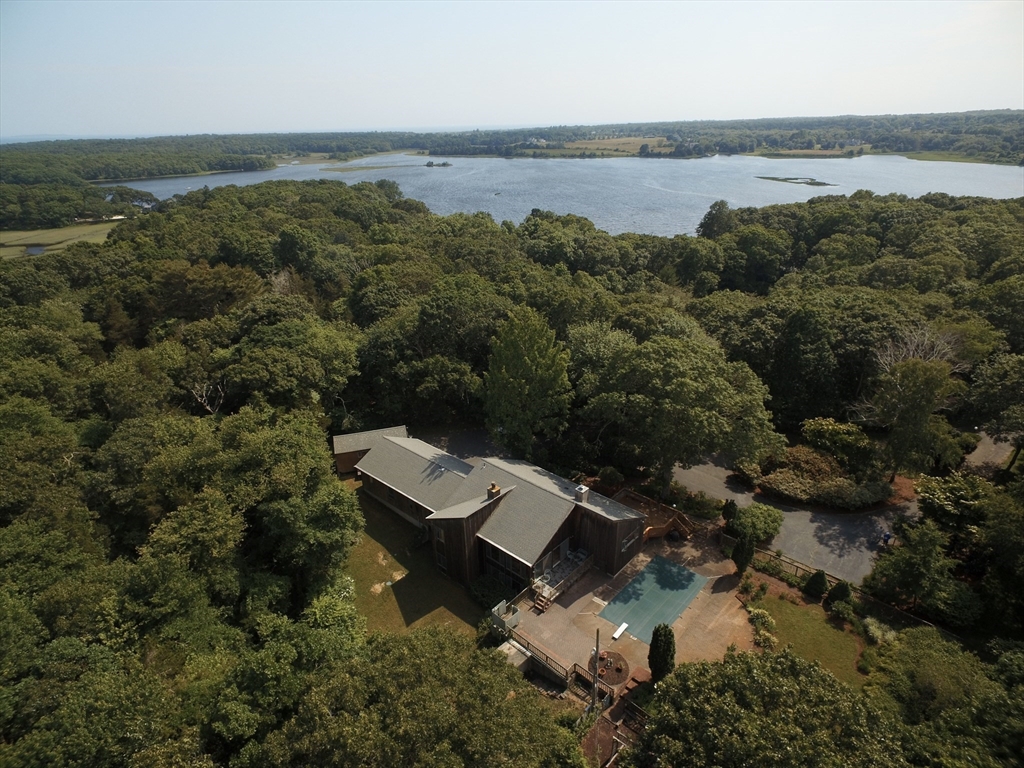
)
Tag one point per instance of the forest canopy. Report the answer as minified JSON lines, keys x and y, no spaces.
{"x":172,"y":533}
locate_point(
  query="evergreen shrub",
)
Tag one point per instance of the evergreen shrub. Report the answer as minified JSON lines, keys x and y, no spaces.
{"x":816,"y":584}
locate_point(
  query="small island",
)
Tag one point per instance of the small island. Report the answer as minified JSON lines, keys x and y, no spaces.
{"x":432,"y":164}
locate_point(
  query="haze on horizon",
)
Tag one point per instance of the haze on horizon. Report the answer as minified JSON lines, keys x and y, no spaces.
{"x":90,"y":68}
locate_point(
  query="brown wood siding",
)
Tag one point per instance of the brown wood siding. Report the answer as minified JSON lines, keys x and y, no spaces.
{"x":462,"y":554}
{"x":389,"y":497}
{"x":626,"y":530}
{"x":604,"y":538}
{"x":345,"y":463}
{"x":474,"y":567}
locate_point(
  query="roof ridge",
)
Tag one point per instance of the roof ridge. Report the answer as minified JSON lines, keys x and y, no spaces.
{"x":503,"y":465}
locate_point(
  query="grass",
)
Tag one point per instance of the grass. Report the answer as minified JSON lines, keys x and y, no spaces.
{"x":814,"y":637}
{"x":802,"y":153}
{"x":419,"y":595}
{"x":947,"y":157}
{"x":355,"y":168}
{"x":14,"y":243}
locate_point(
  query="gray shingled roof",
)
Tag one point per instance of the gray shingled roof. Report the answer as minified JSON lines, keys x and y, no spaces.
{"x":534,"y":503}
{"x":527,"y":519}
{"x":465,"y":509}
{"x":525,"y":522}
{"x":363,"y":441}
{"x":420,"y":471}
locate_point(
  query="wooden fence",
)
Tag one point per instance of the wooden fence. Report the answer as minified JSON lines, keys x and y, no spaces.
{"x":801,"y":570}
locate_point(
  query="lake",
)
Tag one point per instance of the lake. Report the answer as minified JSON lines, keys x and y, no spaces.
{"x":630,"y":194}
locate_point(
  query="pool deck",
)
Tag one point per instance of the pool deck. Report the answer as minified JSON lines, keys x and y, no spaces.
{"x":712,"y":621}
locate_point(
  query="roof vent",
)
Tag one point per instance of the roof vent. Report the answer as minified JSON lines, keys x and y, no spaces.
{"x":582,"y":493}
{"x":493,"y":490}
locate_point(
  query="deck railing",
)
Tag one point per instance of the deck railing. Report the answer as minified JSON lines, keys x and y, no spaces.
{"x":603,"y":688}
{"x":552,"y":591}
{"x":542,"y":655}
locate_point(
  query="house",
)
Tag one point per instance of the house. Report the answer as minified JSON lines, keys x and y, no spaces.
{"x":349,"y":449}
{"x":503,"y":517}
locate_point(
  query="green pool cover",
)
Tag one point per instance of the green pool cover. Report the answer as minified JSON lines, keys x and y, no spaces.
{"x":657,"y":595}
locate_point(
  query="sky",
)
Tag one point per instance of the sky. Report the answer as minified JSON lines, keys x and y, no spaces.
{"x":169,"y":67}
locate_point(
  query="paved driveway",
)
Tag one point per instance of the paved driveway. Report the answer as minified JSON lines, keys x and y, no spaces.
{"x":842,"y":543}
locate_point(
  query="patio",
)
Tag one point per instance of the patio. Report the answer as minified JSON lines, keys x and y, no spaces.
{"x":713,"y":620}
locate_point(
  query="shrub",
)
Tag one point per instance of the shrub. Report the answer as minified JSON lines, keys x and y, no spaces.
{"x":878,"y":632}
{"x":765,"y":640}
{"x":773,"y":567}
{"x":762,"y":590}
{"x":746,"y":584}
{"x":842,"y":610}
{"x":961,"y":606}
{"x":489,"y":591}
{"x":701,"y":505}
{"x":816,"y":584}
{"x":847,"y":443}
{"x":810,"y":477}
{"x":611,"y":477}
{"x":868,"y":661}
{"x":761,"y":619}
{"x":840,"y":591}
{"x":729,"y":510}
{"x":758,"y":522}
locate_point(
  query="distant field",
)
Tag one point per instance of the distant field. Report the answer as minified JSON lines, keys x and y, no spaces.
{"x":628,"y":144}
{"x":947,"y":157}
{"x":802,"y":153}
{"x":296,"y":159}
{"x":419,"y":595}
{"x":15,"y":243}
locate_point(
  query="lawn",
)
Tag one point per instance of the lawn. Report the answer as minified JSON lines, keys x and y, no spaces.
{"x":815,"y":638}
{"x":418,"y":594}
{"x":15,"y":242}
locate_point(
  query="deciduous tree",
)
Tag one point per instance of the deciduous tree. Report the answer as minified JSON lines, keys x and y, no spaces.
{"x":526,"y":387}
{"x":773,"y":710}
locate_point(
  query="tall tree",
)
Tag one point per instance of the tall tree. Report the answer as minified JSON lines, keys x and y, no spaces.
{"x":917,"y":573}
{"x":662,"y":656}
{"x":908,"y":396}
{"x":526,"y":387}
{"x":717,"y":221}
{"x":773,"y":710}
{"x":670,"y":401}
{"x":998,"y":392}
{"x":426,"y":698}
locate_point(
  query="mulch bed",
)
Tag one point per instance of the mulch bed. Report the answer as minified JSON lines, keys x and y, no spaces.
{"x":616,"y":668}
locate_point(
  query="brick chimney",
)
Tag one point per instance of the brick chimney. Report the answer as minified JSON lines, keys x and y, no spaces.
{"x":493,"y":490}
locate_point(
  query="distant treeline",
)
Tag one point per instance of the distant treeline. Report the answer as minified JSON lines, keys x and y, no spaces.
{"x":994,"y":136}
